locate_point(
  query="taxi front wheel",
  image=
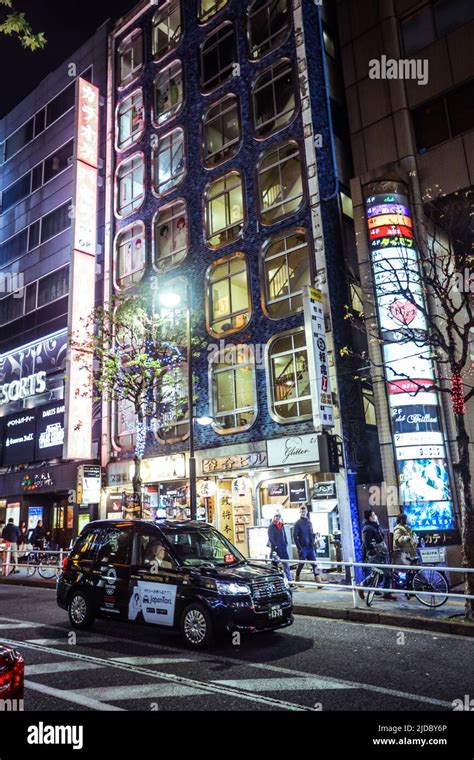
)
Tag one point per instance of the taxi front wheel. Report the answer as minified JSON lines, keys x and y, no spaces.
{"x":81,"y":613}
{"x":196,"y":626}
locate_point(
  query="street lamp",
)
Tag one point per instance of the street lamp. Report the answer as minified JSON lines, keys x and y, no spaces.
{"x":171,"y":300}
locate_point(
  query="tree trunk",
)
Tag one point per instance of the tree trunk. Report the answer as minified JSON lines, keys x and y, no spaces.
{"x":137,"y":483}
{"x":467,"y":517}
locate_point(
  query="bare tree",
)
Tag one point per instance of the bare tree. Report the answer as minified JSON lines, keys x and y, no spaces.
{"x":428,"y":288}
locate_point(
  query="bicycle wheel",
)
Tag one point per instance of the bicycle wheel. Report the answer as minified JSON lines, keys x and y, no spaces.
{"x":31,"y":564}
{"x":372,"y":580}
{"x":430,"y":580}
{"x":48,"y":568}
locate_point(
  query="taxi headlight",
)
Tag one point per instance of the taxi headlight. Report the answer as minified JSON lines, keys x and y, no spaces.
{"x":232,"y":588}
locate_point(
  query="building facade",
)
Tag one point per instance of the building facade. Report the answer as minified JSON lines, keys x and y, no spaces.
{"x":227,"y":179}
{"x":47,"y":145}
{"x":412,"y":134}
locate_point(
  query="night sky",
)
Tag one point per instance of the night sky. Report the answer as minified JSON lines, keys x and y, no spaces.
{"x":66,"y":24}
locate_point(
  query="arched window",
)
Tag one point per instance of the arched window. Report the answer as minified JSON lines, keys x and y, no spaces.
{"x":166,"y":28}
{"x":130,"y":255}
{"x":286,"y":270}
{"x":171,"y":235}
{"x":274,"y":98}
{"x":280,"y":182}
{"x":224,"y":208}
{"x":130,"y":185}
{"x":233,"y":391}
{"x":228,"y":295}
{"x":288,"y":377}
{"x":268,"y":24}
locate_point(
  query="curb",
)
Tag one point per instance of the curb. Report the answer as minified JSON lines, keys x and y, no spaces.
{"x":29,"y":584}
{"x":386,"y":618}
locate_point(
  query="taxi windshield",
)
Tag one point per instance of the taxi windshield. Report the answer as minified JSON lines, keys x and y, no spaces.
{"x":195,"y":547}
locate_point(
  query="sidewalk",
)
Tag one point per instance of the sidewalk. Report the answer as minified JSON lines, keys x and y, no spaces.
{"x":338,"y":604}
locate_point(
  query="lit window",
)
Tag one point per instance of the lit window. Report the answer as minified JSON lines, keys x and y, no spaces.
{"x":369,"y":406}
{"x":357,"y":303}
{"x":166,"y":28}
{"x":171,"y":235}
{"x":224,"y":210}
{"x":130,"y":255}
{"x":218,"y":57}
{"x":168,"y":92}
{"x":346,"y":205}
{"x":130,"y":185}
{"x":130,"y":58}
{"x":286,"y":272}
{"x":221,"y":130}
{"x":228,"y":305}
{"x":125,"y":424}
{"x":280,"y":182}
{"x":234,"y":397}
{"x":173,"y":400}
{"x":290,"y":390}
{"x":209,"y":8}
{"x":274,"y":99}
{"x":169,"y":164}
{"x":269,"y":22}
{"x":130,"y":120}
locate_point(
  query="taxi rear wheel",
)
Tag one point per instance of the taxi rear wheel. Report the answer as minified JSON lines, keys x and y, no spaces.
{"x":80,"y":610}
{"x":196,"y":626}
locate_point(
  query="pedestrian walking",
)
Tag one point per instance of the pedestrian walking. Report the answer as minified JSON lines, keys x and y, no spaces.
{"x":404,"y":542}
{"x":304,"y":537}
{"x":374,"y":549}
{"x":279,"y":542}
{"x":11,"y":533}
{"x":23,"y":543}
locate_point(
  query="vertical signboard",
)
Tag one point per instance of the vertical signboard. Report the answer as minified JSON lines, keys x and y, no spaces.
{"x":318,"y":364}
{"x":78,"y":424}
{"x":414,"y":406}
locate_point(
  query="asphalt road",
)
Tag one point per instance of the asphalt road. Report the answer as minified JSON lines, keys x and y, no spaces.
{"x":316,"y":664}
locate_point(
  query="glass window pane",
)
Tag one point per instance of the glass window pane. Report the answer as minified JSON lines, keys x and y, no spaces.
{"x":269,"y":22}
{"x":280,"y":180}
{"x":274,"y":99}
{"x":418,"y":30}
{"x":130,"y":58}
{"x":130,"y":255}
{"x":431,"y":124}
{"x":169,"y":92}
{"x":218,"y":56}
{"x":167,"y":28}
{"x":169,"y":161}
{"x":461,"y":109}
{"x":171,"y":235}
{"x":449,"y":14}
{"x":209,"y":8}
{"x":221,"y":131}
{"x":130,"y":120}
{"x":287,"y":271}
{"x":224,"y":210}
{"x":130,"y":185}
{"x":289,"y":377}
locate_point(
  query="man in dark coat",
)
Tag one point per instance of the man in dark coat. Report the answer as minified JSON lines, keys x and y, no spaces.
{"x":279,"y":542}
{"x":374,"y":548}
{"x":11,"y":533}
{"x":303,"y":534}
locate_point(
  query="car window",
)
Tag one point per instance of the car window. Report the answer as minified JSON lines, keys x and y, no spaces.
{"x":85,"y":545}
{"x":206,"y":545}
{"x":152,"y":554}
{"x":114,"y":545}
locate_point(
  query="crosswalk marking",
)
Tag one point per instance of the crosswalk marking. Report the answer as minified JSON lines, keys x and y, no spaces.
{"x":64,"y":641}
{"x":71,"y":696}
{"x":282,"y":684}
{"x":154,"y":660}
{"x":59,"y":667}
{"x":138,"y":691}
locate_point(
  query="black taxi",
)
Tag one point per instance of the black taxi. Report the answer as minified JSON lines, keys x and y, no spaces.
{"x":176,"y":575}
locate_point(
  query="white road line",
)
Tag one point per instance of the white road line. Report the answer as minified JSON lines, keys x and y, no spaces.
{"x":17,"y":625}
{"x":72,"y":696}
{"x":64,"y":642}
{"x":58,"y":667}
{"x":156,"y":660}
{"x":139,"y":691}
{"x":283,"y":684}
{"x":203,"y":686}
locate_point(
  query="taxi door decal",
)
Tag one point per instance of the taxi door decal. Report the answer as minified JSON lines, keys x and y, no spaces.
{"x":152,"y":602}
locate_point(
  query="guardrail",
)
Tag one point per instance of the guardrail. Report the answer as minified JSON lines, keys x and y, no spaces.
{"x":381,"y":566}
{"x":8,"y":562}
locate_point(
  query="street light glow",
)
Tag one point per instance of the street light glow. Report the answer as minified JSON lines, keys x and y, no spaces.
{"x":169,"y":300}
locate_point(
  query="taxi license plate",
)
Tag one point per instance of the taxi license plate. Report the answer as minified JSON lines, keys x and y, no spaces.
{"x":275,"y":612}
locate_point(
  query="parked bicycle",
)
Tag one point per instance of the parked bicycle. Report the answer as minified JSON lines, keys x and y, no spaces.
{"x":414,"y":580}
{"x":47,"y":565}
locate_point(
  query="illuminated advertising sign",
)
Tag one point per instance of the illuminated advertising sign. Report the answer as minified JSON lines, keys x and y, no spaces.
{"x":50,"y":431}
{"x":414,"y":407}
{"x":318,"y":363}
{"x":78,"y":425}
{"x":19,"y":438}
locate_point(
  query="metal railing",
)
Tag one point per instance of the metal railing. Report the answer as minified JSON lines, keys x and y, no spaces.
{"x":380,"y":566}
{"x":9,"y":563}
